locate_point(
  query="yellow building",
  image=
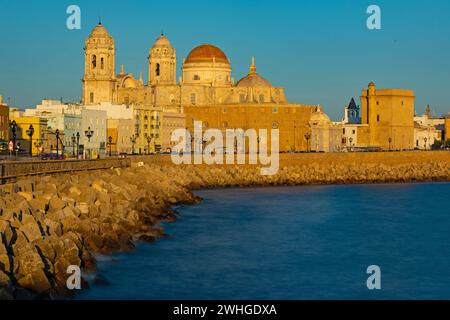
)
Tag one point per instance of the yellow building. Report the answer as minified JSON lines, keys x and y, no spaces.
{"x":40,"y":139}
{"x":447,"y":127}
{"x":389,"y":114}
{"x":4,"y":121}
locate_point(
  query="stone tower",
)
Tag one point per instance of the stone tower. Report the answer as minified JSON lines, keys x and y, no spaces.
{"x":162,"y":63}
{"x":99,"y":67}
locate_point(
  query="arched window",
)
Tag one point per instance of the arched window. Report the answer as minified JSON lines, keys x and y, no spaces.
{"x":102,"y":63}
{"x":261,"y":98}
{"x":158,"y":69}
{"x":94,"y":61}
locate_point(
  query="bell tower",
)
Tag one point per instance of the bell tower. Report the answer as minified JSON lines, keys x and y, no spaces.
{"x":99,"y":67}
{"x":162,"y":63}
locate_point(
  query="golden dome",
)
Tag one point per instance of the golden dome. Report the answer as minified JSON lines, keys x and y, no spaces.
{"x":319,"y":117}
{"x":207,"y":53}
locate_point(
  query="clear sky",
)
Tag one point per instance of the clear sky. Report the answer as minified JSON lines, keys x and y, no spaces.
{"x":319,"y":50}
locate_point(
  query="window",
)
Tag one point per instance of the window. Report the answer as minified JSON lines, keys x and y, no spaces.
{"x":196,"y":78}
{"x":261,"y":98}
{"x":91,"y":97}
{"x":102,"y":63}
{"x":354,"y":131}
{"x":193,"y":98}
{"x":275,"y":110}
{"x":242,"y":98}
{"x":94,"y":61}
{"x":378,"y":118}
{"x":343,"y":131}
{"x":158,"y":69}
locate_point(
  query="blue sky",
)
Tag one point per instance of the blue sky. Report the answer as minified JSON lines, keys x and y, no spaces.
{"x":319,"y":50}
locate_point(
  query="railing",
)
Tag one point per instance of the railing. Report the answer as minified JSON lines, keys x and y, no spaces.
{"x":11,"y":170}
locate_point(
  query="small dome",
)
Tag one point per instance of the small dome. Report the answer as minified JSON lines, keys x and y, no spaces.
{"x":162,"y":41}
{"x":254,"y":80}
{"x":318,"y":116}
{"x":207,"y":53}
{"x":100,"y":32}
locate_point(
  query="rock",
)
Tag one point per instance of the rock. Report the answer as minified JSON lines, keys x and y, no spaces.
{"x":5,"y":264}
{"x":98,"y":186}
{"x":36,"y":281}
{"x":56,"y":203}
{"x":75,"y":190}
{"x":26,"y":195}
{"x":53,"y":228}
{"x":83,"y":207}
{"x":32,"y":231}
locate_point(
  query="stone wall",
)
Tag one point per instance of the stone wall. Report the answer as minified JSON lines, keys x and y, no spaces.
{"x":19,"y":169}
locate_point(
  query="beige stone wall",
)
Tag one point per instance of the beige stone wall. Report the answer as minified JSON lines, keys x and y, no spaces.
{"x":292,"y":120}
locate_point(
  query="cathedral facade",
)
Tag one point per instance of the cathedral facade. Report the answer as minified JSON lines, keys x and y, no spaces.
{"x":206,"y":92}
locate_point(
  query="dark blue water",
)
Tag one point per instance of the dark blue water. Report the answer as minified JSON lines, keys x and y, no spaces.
{"x":312,"y":242}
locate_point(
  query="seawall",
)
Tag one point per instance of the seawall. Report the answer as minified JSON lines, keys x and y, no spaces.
{"x":48,"y":223}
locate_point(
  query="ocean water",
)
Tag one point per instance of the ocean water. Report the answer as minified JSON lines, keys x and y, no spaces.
{"x":306,"y":242}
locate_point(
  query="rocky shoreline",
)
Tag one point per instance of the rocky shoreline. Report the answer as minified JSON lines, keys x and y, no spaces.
{"x":52,"y":222}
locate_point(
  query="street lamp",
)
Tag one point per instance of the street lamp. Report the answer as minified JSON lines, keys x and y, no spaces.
{"x":133,"y":140}
{"x":74,"y":141}
{"x":426,"y":147}
{"x":110,"y":143}
{"x":89,"y":134}
{"x":13,"y":126}
{"x":149,"y":139}
{"x":30,"y":133}
{"x":390,"y":142}
{"x":351,"y":143}
{"x":78,"y":144}
{"x":307,"y":138}
{"x":57,"y":142}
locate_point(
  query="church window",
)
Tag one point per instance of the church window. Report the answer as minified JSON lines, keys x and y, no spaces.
{"x":91,"y":97}
{"x":196,"y":77}
{"x":102,"y":63}
{"x":94,"y":61}
{"x":193,"y":98}
{"x":158,"y":69}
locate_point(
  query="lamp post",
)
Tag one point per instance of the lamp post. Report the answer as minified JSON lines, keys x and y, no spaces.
{"x":13,"y":126}
{"x":57,"y":142}
{"x":426,"y":140}
{"x":78,"y":144}
{"x":390,"y":142}
{"x":110,"y":143}
{"x":30,"y":133}
{"x":351,"y":143}
{"x":307,"y":138}
{"x":133,"y":141}
{"x":149,"y":139}
{"x":89,"y":134}
{"x":74,"y":141}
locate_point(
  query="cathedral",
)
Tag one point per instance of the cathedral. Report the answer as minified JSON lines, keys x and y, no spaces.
{"x":206,"y":91}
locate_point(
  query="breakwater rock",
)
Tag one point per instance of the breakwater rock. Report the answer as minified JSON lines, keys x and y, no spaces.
{"x":52,"y":222}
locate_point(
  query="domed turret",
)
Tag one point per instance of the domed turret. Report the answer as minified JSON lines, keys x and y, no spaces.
{"x":253,"y":79}
{"x":162,"y":62}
